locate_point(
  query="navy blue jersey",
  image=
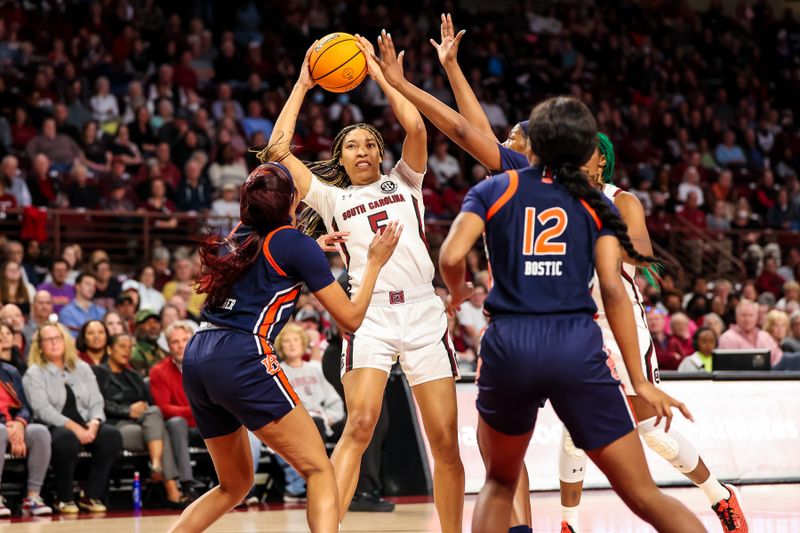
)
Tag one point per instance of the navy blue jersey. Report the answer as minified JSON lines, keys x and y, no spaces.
{"x":511,"y":160}
{"x":263,"y":300}
{"x":540,"y":242}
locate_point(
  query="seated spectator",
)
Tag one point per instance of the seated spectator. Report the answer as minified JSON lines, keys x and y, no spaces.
{"x":228,"y":167}
{"x":13,"y":182}
{"x":61,"y":291}
{"x":81,"y":193}
{"x":318,"y":396}
{"x":776,"y":324}
{"x":193,"y":194}
{"x":443,"y":165}
{"x":11,"y":316}
{"x":20,"y":436}
{"x":107,"y":285}
{"x":713,"y":321}
{"x":149,"y":296}
{"x":769,"y":280}
{"x":679,"y":345}
{"x":114,"y":324}
{"x":44,"y":184}
{"x":184,"y":276}
{"x":96,"y":154}
{"x":41,"y":314}
{"x":783,"y":214}
{"x":7,"y":200}
{"x":471,"y":316}
{"x":705,"y":340}
{"x":791,"y":293}
{"x":63,"y":394}
{"x":166,"y":386}
{"x":61,"y":149}
{"x":10,"y":354}
{"x":255,"y":121}
{"x":117,"y":199}
{"x":81,"y":309}
{"x":745,"y":334}
{"x":128,"y":406}
{"x":14,"y":289}
{"x":125,"y":306}
{"x":227,"y":207}
{"x":158,"y":203}
{"x":146,"y":353}
{"x":791,"y":343}
{"x":105,"y":108}
{"x":765,"y":195}
{"x":722,"y":190}
{"x":125,"y":150}
{"x":728,"y":153}
{"x":92,"y":342}
{"x":690,"y":184}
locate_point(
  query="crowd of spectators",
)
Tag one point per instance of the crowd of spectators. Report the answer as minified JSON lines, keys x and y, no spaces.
{"x":130,"y":105}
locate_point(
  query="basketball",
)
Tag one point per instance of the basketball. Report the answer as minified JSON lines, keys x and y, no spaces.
{"x":337,"y":64}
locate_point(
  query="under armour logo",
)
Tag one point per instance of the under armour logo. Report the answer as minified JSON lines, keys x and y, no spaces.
{"x":576,"y":470}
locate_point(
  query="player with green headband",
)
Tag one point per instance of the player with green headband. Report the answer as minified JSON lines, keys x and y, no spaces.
{"x":672,"y":446}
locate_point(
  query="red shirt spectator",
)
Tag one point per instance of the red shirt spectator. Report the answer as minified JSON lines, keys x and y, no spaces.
{"x":679,"y":345}
{"x":769,"y":280}
{"x":166,"y":387}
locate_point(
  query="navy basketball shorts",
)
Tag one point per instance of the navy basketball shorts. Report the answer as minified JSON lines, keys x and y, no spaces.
{"x":526,"y":360}
{"x":229,"y":384}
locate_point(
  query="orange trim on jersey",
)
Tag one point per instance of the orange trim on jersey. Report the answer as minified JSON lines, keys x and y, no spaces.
{"x":271,"y":314}
{"x":267,"y":253}
{"x":593,"y":213}
{"x":547,"y":180}
{"x":513,"y":181}
{"x":288,"y":386}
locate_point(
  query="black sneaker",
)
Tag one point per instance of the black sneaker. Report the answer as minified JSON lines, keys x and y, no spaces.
{"x":365,"y":502}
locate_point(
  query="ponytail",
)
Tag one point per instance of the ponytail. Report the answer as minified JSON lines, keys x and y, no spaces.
{"x":577,"y":184}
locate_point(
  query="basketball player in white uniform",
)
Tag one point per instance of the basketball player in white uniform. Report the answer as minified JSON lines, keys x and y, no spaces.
{"x":406,"y":320}
{"x":672,"y":445}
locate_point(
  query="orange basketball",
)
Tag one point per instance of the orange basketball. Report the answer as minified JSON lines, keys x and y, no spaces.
{"x":337,"y":64}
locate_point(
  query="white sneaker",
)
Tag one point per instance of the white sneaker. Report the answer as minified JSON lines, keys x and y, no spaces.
{"x":35,"y":506}
{"x":4,"y":511}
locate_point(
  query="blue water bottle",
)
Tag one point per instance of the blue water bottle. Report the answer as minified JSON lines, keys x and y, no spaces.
{"x":137,"y":492}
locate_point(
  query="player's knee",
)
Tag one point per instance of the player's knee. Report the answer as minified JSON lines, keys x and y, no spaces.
{"x":444,"y":445}
{"x":569,"y":448}
{"x":360,"y":425}
{"x":237,"y":486}
{"x":672,"y":446}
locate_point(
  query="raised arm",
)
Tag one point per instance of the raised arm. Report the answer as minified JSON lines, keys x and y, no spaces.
{"x":280,"y":142}
{"x":620,"y":317}
{"x":466,"y":100}
{"x":632,"y":213}
{"x":415,"y":145}
{"x":448,"y":121}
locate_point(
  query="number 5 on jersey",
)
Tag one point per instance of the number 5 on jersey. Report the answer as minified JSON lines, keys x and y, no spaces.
{"x":542,"y":244}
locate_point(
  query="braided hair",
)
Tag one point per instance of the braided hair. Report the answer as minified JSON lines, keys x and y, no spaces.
{"x":330,"y":171}
{"x":563,"y":135}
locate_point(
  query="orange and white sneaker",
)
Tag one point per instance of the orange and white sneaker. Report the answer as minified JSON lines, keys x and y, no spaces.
{"x":566,"y":528}
{"x":730,"y":512}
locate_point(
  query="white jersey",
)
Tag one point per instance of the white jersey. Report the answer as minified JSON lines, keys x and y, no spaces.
{"x":362,"y":210}
{"x":628,"y":280}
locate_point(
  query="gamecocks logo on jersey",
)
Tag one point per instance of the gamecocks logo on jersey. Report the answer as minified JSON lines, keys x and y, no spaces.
{"x":388,"y":187}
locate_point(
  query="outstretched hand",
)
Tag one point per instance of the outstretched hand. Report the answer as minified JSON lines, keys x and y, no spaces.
{"x":457,"y":297}
{"x":448,"y":48}
{"x":330,"y":241}
{"x":390,"y":63}
{"x":385,"y":242}
{"x":662,"y":403}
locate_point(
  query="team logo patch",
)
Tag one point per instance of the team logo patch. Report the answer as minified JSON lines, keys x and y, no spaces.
{"x":388,"y":187}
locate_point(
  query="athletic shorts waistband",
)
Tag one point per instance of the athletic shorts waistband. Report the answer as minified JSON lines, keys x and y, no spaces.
{"x":403,"y":296}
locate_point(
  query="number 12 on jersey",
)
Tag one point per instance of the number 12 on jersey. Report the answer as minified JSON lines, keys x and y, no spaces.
{"x":542,"y":244}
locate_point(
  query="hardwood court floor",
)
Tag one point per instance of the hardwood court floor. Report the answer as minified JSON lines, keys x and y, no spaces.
{"x":770,"y":509}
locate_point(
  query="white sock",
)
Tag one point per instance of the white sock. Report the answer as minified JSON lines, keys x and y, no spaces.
{"x":714,"y":490}
{"x":571,"y":516}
